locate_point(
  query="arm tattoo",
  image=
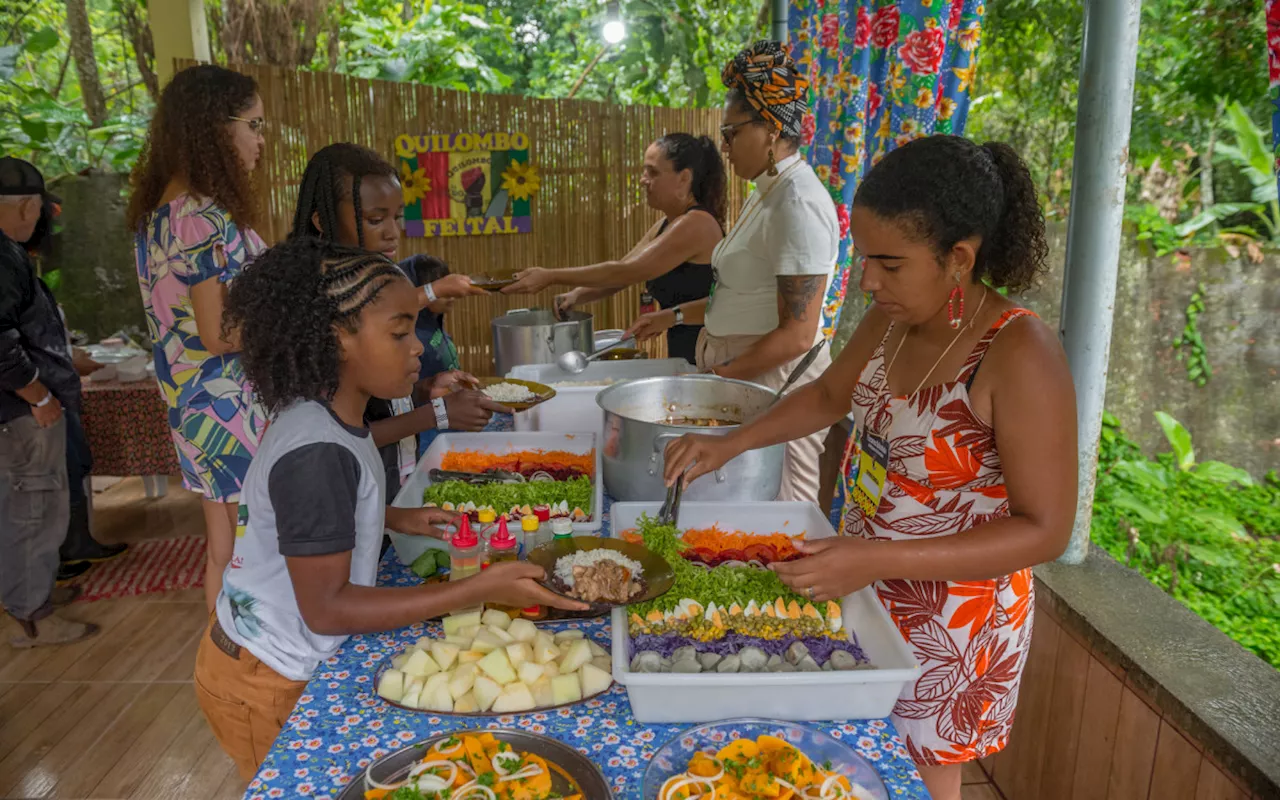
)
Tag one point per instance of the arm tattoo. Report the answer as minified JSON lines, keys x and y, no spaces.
{"x":797,"y":291}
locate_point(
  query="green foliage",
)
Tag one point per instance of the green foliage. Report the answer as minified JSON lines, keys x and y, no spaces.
{"x":45,"y":121}
{"x":1206,"y":532}
{"x":1201,"y":73}
{"x":1190,"y":344}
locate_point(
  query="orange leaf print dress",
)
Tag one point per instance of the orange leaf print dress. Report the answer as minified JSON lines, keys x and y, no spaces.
{"x":970,"y":637}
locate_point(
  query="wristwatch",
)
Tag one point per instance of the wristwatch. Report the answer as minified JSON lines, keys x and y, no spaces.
{"x":679,"y":312}
{"x":442,"y":415}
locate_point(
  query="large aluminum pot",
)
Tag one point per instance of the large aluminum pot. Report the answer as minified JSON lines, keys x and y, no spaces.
{"x":537,"y":336}
{"x":637,"y":429}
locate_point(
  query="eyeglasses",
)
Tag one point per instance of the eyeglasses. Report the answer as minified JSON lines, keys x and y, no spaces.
{"x":257,"y":124}
{"x":727,"y":132}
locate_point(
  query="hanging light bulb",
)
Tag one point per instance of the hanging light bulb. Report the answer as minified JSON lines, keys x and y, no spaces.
{"x":614,"y":31}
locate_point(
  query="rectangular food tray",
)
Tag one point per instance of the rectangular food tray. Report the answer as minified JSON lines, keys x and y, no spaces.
{"x":409,"y":548}
{"x":795,"y":696}
{"x":574,"y":407}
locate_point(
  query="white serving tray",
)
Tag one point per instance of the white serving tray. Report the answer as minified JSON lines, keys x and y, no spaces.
{"x":792,"y":696}
{"x":409,"y":548}
{"x":574,"y":407}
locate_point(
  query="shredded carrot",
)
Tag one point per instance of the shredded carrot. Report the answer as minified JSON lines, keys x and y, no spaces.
{"x":717,"y":540}
{"x":522,"y":461}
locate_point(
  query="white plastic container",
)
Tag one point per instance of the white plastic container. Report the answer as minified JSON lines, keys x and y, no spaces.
{"x":793,"y":696}
{"x":574,"y":407}
{"x":409,"y":548}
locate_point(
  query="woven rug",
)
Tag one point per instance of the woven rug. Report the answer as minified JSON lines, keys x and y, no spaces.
{"x":155,"y":565}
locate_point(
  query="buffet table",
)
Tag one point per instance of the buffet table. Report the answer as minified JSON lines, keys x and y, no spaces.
{"x":340,"y":725}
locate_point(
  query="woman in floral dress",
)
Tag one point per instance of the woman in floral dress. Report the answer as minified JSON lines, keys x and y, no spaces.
{"x":193,"y":210}
{"x":964,"y":458}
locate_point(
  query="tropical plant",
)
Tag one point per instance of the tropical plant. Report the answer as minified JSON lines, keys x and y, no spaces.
{"x":1204,"y":531}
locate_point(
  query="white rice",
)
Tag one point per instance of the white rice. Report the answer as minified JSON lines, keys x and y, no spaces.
{"x":509,"y":393}
{"x":586,"y":558}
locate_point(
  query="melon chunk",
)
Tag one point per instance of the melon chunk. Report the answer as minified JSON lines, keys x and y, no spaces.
{"x":519,"y":653}
{"x":578,"y":655}
{"x":486,"y":641}
{"x":594,"y":680}
{"x":444,"y":653}
{"x":420,"y":664}
{"x":438,"y":700}
{"x":530,"y":673}
{"x":514,"y":699}
{"x":497,"y":666}
{"x":470,"y":656}
{"x":467,"y":704}
{"x":569,"y":635}
{"x":486,"y":692}
{"x":455,"y":623}
{"x":566,"y":689}
{"x":496,"y":618}
{"x":522,"y":630}
{"x":391,"y":685}
{"x":543,"y":696}
{"x":464,"y":677}
{"x":545,"y":652}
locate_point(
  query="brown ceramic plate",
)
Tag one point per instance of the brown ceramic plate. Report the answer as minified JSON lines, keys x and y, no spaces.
{"x":572,"y":773}
{"x":656,"y":581}
{"x":492,"y":284}
{"x":542,"y":392}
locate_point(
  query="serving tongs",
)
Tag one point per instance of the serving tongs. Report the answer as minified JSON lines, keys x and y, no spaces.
{"x":670,"y":511}
{"x":476,"y":478}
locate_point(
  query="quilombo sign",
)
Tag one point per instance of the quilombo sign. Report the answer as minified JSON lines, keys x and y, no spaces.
{"x":466,"y":184}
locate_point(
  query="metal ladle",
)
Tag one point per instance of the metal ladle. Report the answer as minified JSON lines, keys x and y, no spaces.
{"x":576,"y":361}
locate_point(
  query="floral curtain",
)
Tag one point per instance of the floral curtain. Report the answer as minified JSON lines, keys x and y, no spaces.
{"x":1273,"y":70}
{"x":881,"y":73}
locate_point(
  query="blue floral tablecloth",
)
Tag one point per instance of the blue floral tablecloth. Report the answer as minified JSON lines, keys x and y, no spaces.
{"x":340,"y":725}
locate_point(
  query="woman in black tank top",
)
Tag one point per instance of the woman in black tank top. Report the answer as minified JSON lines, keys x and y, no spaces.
{"x":684,"y":178}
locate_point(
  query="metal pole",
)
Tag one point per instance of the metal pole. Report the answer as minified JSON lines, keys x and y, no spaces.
{"x":778,"y":31}
{"x":1093,"y":234}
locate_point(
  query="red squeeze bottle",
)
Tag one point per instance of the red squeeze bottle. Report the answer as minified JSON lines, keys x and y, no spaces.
{"x":502,"y":547}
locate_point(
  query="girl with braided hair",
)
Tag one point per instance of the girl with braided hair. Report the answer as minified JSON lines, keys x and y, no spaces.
{"x":351,"y":195}
{"x":772,"y":268}
{"x":193,"y":212}
{"x":323,"y":328}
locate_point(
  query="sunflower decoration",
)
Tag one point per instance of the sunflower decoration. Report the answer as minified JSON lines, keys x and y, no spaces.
{"x":521,"y":180}
{"x":414,"y":183}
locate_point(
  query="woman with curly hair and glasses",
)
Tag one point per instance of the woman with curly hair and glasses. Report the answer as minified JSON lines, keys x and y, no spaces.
{"x":193,"y":211}
{"x":963,"y":467}
{"x":771,"y":270}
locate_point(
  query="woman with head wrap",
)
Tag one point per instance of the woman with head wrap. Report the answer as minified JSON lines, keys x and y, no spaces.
{"x":771,"y":270}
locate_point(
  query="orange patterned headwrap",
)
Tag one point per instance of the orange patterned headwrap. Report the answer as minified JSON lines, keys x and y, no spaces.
{"x":771,"y":83}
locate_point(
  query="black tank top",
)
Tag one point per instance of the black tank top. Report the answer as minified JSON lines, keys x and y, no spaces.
{"x":685,"y":283}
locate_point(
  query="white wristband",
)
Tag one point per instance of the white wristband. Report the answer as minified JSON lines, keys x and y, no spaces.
{"x":442,"y":415}
{"x":431,"y":293}
{"x":679,"y":312}
{"x":48,"y":397}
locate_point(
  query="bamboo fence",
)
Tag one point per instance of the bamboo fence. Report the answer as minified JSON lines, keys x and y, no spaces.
{"x":589,"y":209}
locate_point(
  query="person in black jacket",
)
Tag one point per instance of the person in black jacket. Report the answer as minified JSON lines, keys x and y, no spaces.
{"x":38,"y":383}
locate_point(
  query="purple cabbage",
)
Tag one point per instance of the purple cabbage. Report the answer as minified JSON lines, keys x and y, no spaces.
{"x":820,"y":647}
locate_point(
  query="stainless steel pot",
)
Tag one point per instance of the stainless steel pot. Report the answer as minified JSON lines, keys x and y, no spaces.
{"x":636,"y":435}
{"x":537,"y":336}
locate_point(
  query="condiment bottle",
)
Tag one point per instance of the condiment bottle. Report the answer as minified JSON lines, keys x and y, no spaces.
{"x":502,"y":547}
{"x":530,"y":528}
{"x":562,"y":528}
{"x":465,"y":551}
{"x":486,"y":517}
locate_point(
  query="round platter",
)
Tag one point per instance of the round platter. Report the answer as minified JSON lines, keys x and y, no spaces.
{"x":542,"y":392}
{"x":574,"y":773}
{"x":656,"y":580}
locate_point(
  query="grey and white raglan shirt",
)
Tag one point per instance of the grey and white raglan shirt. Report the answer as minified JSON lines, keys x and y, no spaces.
{"x":315,"y":487}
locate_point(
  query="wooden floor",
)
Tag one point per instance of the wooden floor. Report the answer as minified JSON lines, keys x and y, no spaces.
{"x":115,"y":717}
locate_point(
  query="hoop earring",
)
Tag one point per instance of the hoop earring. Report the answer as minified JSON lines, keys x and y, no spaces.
{"x":773,"y":165}
{"x":955,"y":307}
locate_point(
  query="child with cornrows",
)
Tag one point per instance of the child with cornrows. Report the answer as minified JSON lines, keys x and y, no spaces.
{"x":323,"y":329}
